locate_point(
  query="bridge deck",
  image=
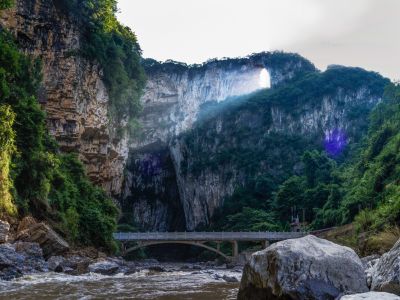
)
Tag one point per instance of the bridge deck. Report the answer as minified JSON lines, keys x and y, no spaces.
{"x":206,"y":236}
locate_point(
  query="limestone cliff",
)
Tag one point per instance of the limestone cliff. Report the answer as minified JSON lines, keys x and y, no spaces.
{"x":73,"y":93}
{"x":199,"y":134}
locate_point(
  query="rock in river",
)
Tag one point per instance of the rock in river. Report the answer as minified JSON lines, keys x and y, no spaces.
{"x":104,"y":268}
{"x":304,"y":268}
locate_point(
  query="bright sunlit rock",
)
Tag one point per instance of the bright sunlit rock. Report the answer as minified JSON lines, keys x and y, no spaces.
{"x":265,"y":79}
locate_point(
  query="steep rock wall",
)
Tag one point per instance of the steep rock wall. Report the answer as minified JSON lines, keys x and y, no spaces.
{"x":172,"y":100}
{"x":73,"y":94}
{"x":225,"y":153}
{"x":227,"y":143}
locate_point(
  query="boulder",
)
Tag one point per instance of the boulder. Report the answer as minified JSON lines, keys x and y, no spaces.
{"x":29,"y":249}
{"x":104,"y":268}
{"x":20,"y":259}
{"x":371,"y":296}
{"x":47,"y":238}
{"x":386,"y":272}
{"x":56,"y":264}
{"x":25,"y":223}
{"x":77,"y":265}
{"x":4,"y":230}
{"x":230,"y":279}
{"x":304,"y":268}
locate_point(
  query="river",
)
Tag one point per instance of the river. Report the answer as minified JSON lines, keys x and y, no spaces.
{"x":206,"y":284}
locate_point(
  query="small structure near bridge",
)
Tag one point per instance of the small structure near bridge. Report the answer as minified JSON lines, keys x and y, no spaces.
{"x":201,"y":238}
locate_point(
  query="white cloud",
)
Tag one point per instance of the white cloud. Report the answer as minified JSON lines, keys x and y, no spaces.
{"x":326,"y":31}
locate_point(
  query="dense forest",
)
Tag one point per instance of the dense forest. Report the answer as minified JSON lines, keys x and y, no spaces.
{"x":35,"y":177}
{"x":361,"y":186}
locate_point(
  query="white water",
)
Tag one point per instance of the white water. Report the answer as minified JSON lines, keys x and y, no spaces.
{"x":175,"y":285}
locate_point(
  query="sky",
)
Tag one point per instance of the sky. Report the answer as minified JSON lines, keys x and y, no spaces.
{"x":364,"y":33}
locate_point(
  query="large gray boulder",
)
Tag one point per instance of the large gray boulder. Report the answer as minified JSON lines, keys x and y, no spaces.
{"x":47,"y":238}
{"x":386,"y":272}
{"x":304,"y":268}
{"x":4,"y":229}
{"x":371,"y":296}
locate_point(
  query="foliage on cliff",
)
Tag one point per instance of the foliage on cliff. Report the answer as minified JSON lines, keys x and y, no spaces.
{"x":116,"y":48}
{"x":247,"y":146}
{"x":365,"y":189}
{"x":7,"y":149}
{"x":4,"y":4}
{"x":51,"y":186}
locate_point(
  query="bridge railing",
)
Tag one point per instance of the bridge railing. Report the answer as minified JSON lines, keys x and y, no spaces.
{"x":206,"y":236}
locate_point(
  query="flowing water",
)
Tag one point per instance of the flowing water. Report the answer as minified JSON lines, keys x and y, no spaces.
{"x":175,"y":285}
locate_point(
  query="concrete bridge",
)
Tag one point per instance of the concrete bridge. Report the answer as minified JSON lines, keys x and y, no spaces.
{"x":200,"y":239}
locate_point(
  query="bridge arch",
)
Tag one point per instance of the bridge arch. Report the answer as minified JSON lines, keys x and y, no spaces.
{"x":198,"y":244}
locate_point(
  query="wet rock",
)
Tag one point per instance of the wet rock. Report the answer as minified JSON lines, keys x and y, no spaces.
{"x":185,"y":268}
{"x":371,"y":296}
{"x":104,"y":268}
{"x":386,"y":272}
{"x":304,"y":268}
{"x":29,"y":249}
{"x":157,"y":269}
{"x":20,"y":259}
{"x":130,"y":271}
{"x":56,"y":263}
{"x":47,"y":238}
{"x":4,"y":230}
{"x":77,"y":265}
{"x":230,"y":279}
{"x":196,"y":267}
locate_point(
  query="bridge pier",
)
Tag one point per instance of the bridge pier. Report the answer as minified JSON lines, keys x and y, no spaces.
{"x":235,"y":249}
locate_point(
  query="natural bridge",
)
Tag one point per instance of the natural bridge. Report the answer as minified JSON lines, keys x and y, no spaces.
{"x":201,"y":238}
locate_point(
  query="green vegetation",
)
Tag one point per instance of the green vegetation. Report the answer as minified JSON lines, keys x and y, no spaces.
{"x":51,"y":186}
{"x":234,"y":139}
{"x":116,"y":48}
{"x":7,"y":149}
{"x":4,"y":4}
{"x":365,"y":189}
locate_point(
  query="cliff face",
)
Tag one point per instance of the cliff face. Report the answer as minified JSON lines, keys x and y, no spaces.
{"x":215,"y":141}
{"x":73,"y":94}
{"x":172,"y":101}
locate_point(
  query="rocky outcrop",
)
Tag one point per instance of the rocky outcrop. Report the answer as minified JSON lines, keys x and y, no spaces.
{"x":385,"y":274}
{"x":4,"y":230}
{"x":47,"y":238}
{"x":305,"y":268}
{"x":20,"y":259}
{"x":371,"y":296}
{"x":73,"y":93}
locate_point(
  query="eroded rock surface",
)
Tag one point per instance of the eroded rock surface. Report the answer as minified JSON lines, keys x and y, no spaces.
{"x":50,"y":242}
{"x":73,"y":93}
{"x":305,"y":268}
{"x":386,"y":272}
